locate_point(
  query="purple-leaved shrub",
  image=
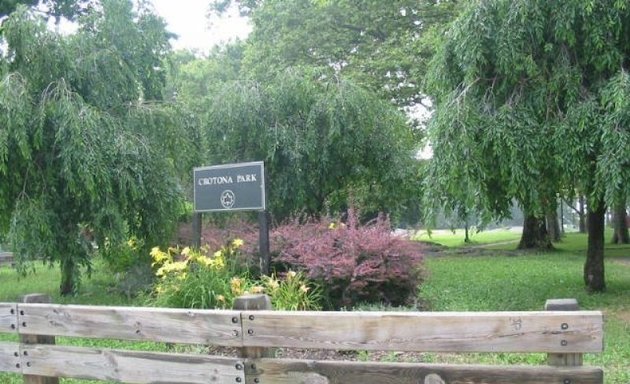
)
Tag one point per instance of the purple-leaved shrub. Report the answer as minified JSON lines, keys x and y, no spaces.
{"x":354,"y":263}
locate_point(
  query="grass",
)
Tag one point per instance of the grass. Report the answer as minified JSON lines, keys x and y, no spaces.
{"x":521,"y":281}
{"x":525,"y":282}
{"x":98,"y":290}
{"x":455,"y":238}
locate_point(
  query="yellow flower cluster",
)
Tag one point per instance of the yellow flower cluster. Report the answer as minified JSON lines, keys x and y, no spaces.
{"x":177,"y":266}
{"x":159,"y":257}
{"x":167,"y":263}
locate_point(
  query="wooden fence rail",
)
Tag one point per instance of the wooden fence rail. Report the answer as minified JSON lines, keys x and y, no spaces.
{"x":6,"y":258}
{"x":558,"y":333}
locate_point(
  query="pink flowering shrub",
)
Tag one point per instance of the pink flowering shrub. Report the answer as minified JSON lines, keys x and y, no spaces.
{"x":354,"y":263}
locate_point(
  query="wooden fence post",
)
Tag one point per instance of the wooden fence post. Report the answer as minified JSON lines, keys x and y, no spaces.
{"x":563,"y":359}
{"x":36,"y":339}
{"x":253,"y":303}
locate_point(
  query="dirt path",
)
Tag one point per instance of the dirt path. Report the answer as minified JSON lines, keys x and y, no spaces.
{"x":436,"y":250}
{"x":622,"y":260}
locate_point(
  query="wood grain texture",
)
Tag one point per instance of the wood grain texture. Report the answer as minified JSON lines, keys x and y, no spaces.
{"x":130,"y":366}
{"x":10,"y":357}
{"x":8,"y":318}
{"x":36,"y":339}
{"x":133,"y":323}
{"x":563,"y":359}
{"x":253,"y":303}
{"x":281,"y":371}
{"x":427,"y":332}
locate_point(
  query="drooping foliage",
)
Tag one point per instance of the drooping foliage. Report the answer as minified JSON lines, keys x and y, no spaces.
{"x":87,"y":154}
{"x":324,"y":142}
{"x":532,"y":100}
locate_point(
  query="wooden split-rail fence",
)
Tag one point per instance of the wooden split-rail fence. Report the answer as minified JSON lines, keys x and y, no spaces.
{"x":561,"y":331}
{"x":6,"y":258}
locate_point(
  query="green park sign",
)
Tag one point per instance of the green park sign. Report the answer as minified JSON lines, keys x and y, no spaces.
{"x":230,"y":187}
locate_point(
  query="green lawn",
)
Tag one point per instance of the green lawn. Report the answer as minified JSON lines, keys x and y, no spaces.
{"x":521,"y":281}
{"x":524,"y":282}
{"x":456,"y":237}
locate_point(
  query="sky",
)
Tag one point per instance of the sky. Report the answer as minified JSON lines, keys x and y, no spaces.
{"x":188,"y":19}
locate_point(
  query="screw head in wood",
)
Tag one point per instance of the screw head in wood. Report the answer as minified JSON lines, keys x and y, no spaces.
{"x":16,"y":354}
{"x":256,"y":380}
{"x":239,"y":366}
{"x":28,"y":363}
{"x":235,"y":319}
{"x":251,"y":317}
{"x":21,"y":313}
{"x":12,"y":311}
{"x":12,"y":326}
{"x":564,"y":326}
{"x":24,"y":323}
{"x":250,"y":331}
{"x":235,"y":332}
{"x":567,"y":381}
{"x":564,"y":343}
{"x":238,"y":379}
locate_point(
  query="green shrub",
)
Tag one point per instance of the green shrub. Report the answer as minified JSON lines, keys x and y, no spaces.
{"x":200,"y":279}
{"x":293,"y":292}
{"x":197,"y":279}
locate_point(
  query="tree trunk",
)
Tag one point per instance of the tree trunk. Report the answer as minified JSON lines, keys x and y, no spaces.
{"x":582,"y":225}
{"x":466,"y":237}
{"x":68,"y":276}
{"x":553,"y":227}
{"x":620,"y":224}
{"x":594,"y":266}
{"x":534,"y":234}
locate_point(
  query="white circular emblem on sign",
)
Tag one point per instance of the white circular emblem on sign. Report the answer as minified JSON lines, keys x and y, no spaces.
{"x":227,"y":199}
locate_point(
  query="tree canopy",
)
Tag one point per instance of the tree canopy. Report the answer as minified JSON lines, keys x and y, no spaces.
{"x":50,"y":8}
{"x":532,"y":100}
{"x":85,"y":144}
{"x":383,"y":45}
{"x":323,"y":142}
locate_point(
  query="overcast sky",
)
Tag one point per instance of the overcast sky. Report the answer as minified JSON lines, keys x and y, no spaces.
{"x":187,"y":18}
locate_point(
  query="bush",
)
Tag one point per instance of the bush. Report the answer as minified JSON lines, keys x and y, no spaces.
{"x":355,"y":263}
{"x":200,"y":279}
{"x":292,"y":293}
{"x":214,"y":235}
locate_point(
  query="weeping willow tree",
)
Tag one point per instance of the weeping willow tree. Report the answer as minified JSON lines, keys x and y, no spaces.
{"x":324,"y":141}
{"x":533,"y":98}
{"x":87,"y":152}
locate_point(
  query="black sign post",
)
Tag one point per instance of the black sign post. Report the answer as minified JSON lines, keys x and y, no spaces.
{"x":232,"y":187}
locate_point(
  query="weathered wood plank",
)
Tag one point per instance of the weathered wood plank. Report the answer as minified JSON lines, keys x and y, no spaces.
{"x":6,"y":258}
{"x":558,"y":332}
{"x":36,"y":339}
{"x":130,"y":366}
{"x":8,"y":318}
{"x":10,"y":357}
{"x":133,"y":323}
{"x":253,"y":303}
{"x":281,"y":371}
{"x":563,"y":359}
